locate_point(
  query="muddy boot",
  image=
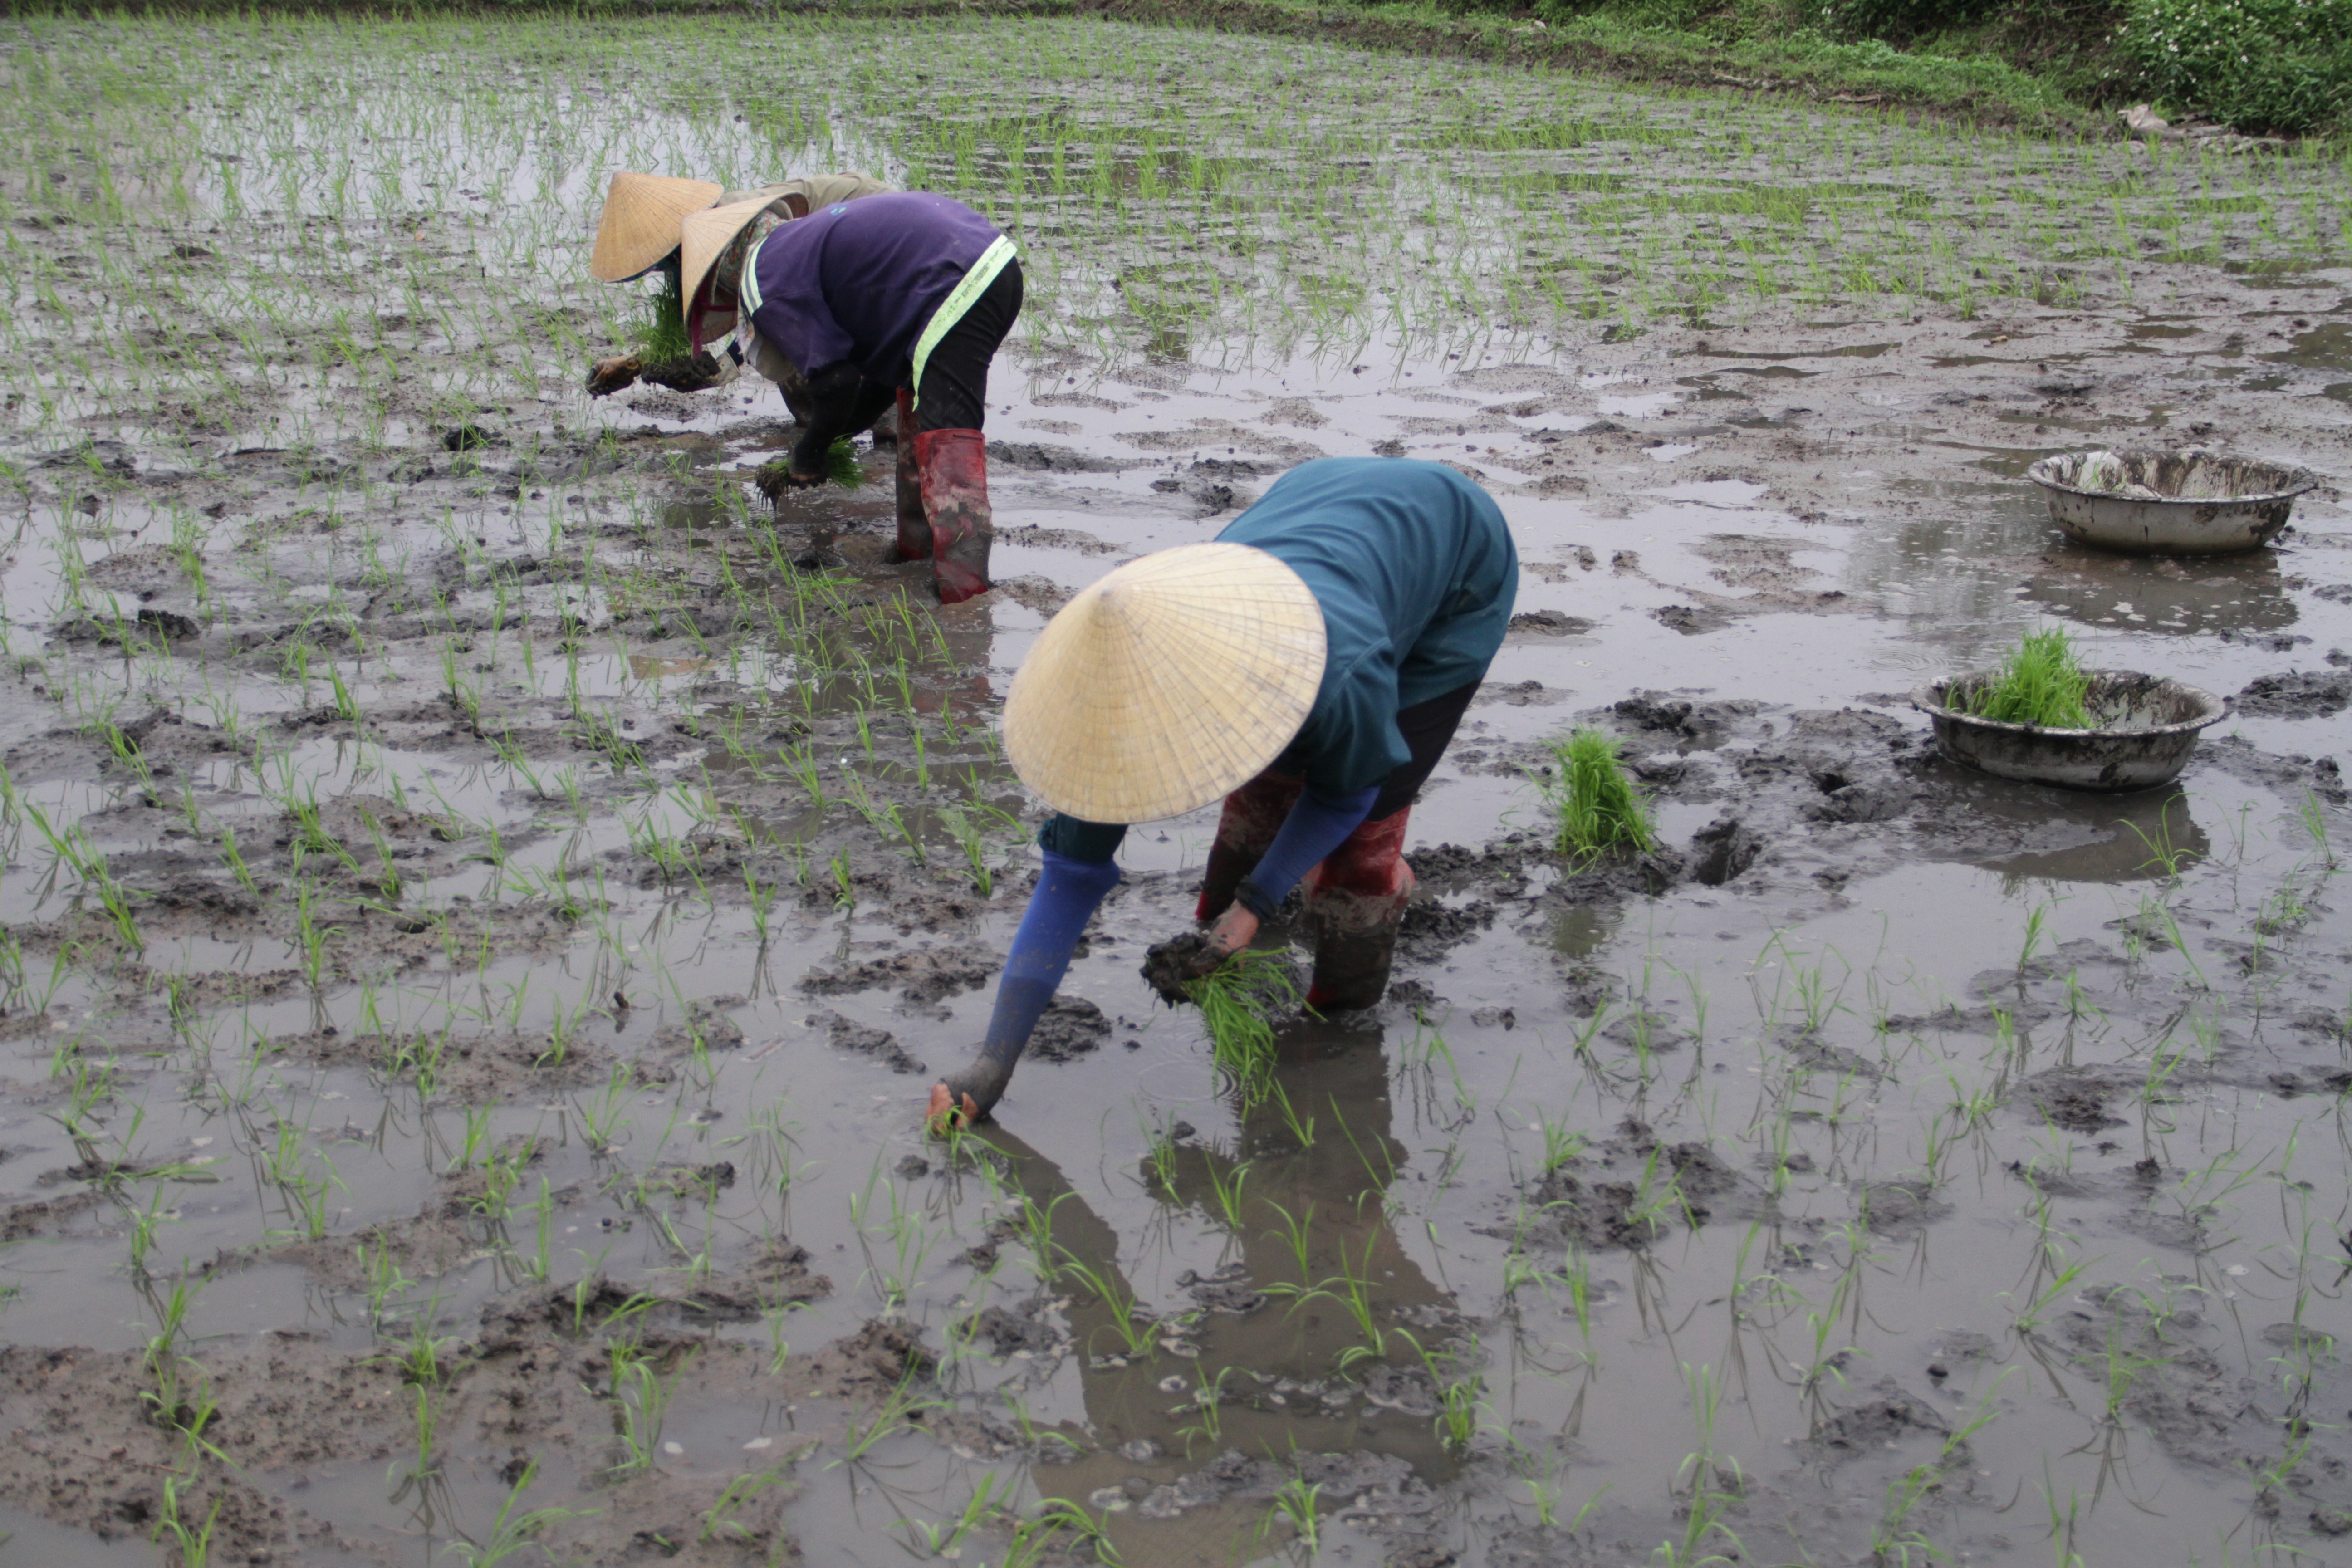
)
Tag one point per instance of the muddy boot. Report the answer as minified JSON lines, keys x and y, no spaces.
{"x":954,"y":468}
{"x":914,"y":525}
{"x":1253,"y":814}
{"x":1355,"y":903}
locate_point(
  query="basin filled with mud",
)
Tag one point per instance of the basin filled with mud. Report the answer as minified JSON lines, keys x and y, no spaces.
{"x":2143,"y":728}
{"x":2184,"y":502}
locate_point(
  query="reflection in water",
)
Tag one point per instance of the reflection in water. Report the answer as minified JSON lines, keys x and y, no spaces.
{"x":2115,"y":839}
{"x":1929,"y":569}
{"x":1580,"y":930}
{"x":1314,"y":1282}
{"x":2327,"y":346}
{"x":2160,"y":593}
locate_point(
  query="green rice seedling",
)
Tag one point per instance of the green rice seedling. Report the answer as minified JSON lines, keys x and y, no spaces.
{"x":1160,"y":1159}
{"x":1294,"y":1504}
{"x":511,"y":1532}
{"x":779,"y":1349}
{"x":1562,"y":1143}
{"x":1225,"y":1183}
{"x":1595,"y":805}
{"x":603,"y":1118}
{"x":1350,"y":1291}
{"x":1036,"y":1540}
{"x":194,"y":1545}
{"x":1138,"y":1331}
{"x":893,"y":1415}
{"x":968,"y":839}
{"x":644,"y":1399}
{"x":1035,"y":1224}
{"x":717,"y":1525}
{"x":2039,"y":685}
{"x":1297,"y":1231}
{"x":946,"y":1541}
{"x":1238,"y":1001}
{"x":1207,"y":1406}
{"x":842,"y":466}
{"x":2314,"y":819}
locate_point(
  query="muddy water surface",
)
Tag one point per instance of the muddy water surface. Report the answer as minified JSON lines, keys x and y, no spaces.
{"x":484,"y":895}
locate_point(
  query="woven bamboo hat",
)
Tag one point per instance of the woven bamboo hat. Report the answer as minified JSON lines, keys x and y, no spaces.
{"x":1167,"y":684}
{"x":640,"y":225}
{"x":707,"y":235}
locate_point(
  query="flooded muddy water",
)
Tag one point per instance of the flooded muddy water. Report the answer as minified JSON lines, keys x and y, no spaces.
{"x":484,"y":894}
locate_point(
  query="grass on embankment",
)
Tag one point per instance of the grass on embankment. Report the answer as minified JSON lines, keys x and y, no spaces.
{"x":1976,"y":85}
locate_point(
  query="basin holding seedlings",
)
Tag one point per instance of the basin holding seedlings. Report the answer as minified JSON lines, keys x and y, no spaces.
{"x":2184,"y":502}
{"x":2044,"y":719}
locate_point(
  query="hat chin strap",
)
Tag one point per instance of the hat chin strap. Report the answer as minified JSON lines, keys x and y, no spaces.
{"x":706,"y":319}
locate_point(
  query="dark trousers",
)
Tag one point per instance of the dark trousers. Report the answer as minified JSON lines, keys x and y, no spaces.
{"x":953,"y":392}
{"x":1428,"y":729}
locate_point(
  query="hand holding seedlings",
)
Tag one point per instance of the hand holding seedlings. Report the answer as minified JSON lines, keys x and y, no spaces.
{"x":1264,"y":668}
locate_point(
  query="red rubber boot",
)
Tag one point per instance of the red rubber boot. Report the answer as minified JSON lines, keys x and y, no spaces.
{"x":1253,"y":815}
{"x":1355,"y":903}
{"x":954,"y":468}
{"x":914,"y":523}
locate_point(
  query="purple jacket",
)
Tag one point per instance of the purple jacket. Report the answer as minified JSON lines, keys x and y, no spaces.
{"x":857,"y":282}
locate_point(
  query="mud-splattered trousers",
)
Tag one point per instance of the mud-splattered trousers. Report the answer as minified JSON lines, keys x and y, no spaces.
{"x":1355,"y":898}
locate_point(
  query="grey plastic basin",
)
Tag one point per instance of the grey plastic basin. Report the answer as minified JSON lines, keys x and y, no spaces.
{"x":2184,"y":502}
{"x":2148,"y":725}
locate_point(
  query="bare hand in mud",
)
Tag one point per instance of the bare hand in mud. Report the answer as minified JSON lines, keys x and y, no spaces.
{"x":775,"y":479}
{"x":1172,"y":966}
{"x":611,"y":376}
{"x":950,"y":1112}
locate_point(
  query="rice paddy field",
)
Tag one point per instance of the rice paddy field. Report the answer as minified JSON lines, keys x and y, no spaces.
{"x":484,"y":896}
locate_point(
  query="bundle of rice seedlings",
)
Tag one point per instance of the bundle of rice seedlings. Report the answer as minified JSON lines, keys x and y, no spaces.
{"x":660,"y":333}
{"x":841,"y":464}
{"x":2040,"y":685}
{"x":1239,"y":1001}
{"x":1595,"y":804}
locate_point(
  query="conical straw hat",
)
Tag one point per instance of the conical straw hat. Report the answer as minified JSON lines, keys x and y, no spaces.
{"x":706,"y":234}
{"x":1167,"y":684}
{"x":641,"y":219}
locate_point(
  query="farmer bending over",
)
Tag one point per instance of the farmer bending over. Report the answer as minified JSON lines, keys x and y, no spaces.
{"x":902,"y":295}
{"x":639,"y":234}
{"x":1314,"y":662}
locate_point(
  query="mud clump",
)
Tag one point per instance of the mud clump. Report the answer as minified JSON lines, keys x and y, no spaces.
{"x":1227,"y":1290}
{"x":1549,"y":624}
{"x":1233,"y":1475}
{"x":1691,"y":721}
{"x":1634,"y":1192}
{"x":1901,"y":1208}
{"x":925,"y":975}
{"x":2313,"y":694}
{"x":2074,"y":1101}
{"x":1169,"y":967}
{"x":1072,"y":1026}
{"x":1008,"y":1331}
{"x":1429,"y":927}
{"x":1889,"y":1415}
{"x":861,"y":1039}
{"x":1691,"y":620}
{"x":879,"y":1356}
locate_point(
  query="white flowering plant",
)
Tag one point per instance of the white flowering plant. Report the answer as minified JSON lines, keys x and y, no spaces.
{"x":2258,"y":65}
